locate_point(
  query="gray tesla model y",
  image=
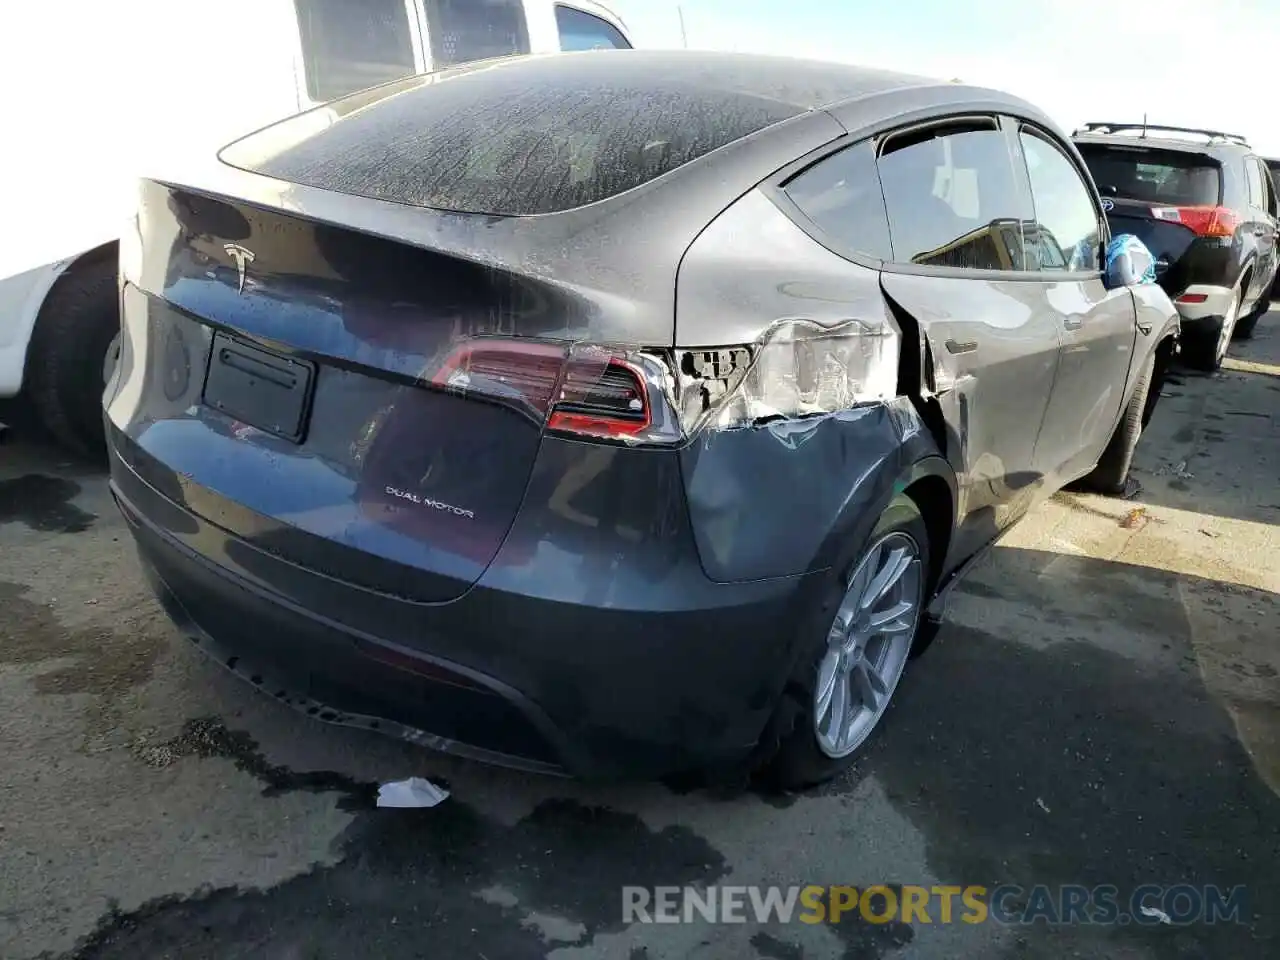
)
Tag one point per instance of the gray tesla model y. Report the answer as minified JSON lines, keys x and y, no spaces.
{"x":615,"y":413}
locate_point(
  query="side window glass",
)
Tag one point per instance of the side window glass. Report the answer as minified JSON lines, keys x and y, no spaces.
{"x":349,"y":46}
{"x":580,"y":30}
{"x":466,"y":30}
{"x":1268,"y":187}
{"x":1065,"y":234}
{"x":952,"y":198}
{"x":841,"y":194}
{"x":1254,"y":178}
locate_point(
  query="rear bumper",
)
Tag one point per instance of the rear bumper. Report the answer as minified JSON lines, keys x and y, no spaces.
{"x":1205,"y":315}
{"x":595,"y":691}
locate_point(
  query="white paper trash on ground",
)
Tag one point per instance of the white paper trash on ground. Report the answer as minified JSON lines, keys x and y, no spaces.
{"x":414,"y":792}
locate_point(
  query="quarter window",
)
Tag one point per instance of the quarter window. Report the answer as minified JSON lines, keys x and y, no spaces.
{"x":467,"y":30}
{"x":952,"y":199}
{"x":1065,"y":234}
{"x":349,"y":46}
{"x":580,"y":30}
{"x":841,"y":195}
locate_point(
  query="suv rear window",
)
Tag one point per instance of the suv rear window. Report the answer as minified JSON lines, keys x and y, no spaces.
{"x":526,"y":138}
{"x":1154,"y":176}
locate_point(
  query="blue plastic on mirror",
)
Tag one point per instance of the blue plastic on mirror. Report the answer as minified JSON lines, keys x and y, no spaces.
{"x":1129,"y":262}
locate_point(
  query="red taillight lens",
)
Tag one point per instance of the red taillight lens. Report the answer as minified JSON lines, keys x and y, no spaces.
{"x":582,"y":389}
{"x":606,"y":399}
{"x":1193,"y":298}
{"x":1202,"y":221}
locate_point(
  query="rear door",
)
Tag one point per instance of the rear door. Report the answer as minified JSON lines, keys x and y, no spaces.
{"x":1098,"y":325}
{"x":959,"y":271}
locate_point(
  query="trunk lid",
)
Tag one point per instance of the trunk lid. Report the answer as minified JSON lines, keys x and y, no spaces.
{"x":305,"y":379}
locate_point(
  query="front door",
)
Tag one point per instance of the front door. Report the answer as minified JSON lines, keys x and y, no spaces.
{"x":1097,"y":325}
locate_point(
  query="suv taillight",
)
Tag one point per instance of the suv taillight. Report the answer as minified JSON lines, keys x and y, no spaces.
{"x":1202,"y":221}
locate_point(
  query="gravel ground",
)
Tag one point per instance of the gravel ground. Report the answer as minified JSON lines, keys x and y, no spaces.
{"x":1103,"y":707}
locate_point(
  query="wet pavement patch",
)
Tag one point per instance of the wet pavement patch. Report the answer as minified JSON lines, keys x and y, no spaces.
{"x":411,"y":883}
{"x":207,"y":737}
{"x":43,"y":504}
{"x":103,"y":660}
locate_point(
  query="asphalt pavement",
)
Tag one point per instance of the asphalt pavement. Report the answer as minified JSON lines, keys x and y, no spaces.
{"x":1103,"y":707}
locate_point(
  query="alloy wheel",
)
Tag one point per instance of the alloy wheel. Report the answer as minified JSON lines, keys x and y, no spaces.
{"x":868,"y":644}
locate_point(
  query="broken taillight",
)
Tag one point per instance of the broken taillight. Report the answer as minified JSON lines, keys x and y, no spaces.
{"x":798,"y":369}
{"x":585,"y":389}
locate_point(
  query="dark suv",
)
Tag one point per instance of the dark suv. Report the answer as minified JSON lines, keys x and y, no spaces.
{"x":1205,"y":205}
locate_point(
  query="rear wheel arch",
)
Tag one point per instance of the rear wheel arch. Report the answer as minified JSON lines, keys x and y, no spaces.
{"x":935,"y":497}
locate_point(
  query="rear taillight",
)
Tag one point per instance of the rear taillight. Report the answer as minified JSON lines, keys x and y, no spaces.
{"x":1202,"y":221}
{"x":797,"y":370}
{"x":585,"y":389}
{"x":1193,"y":298}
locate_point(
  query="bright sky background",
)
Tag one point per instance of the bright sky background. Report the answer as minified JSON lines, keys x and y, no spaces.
{"x":1205,"y":63}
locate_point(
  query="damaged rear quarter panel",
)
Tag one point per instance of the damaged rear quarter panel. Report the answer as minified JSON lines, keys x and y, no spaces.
{"x":785,"y":496}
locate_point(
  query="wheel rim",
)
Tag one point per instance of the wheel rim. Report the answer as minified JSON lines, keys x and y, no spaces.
{"x":868,"y":644}
{"x":110,"y":359}
{"x":1228,"y":324}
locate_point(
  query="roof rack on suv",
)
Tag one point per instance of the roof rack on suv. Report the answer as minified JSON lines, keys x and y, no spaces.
{"x":1145,"y":127}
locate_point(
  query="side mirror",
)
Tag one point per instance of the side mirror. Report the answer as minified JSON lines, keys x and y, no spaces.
{"x":1127,"y":262}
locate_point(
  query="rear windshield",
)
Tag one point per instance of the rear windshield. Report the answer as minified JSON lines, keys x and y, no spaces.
{"x":1154,"y":176}
{"x":513,"y":140}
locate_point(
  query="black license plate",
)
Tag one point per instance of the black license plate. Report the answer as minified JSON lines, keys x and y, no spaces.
{"x":260,"y":388}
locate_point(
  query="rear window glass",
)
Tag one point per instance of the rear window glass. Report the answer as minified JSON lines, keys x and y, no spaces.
{"x":512,"y":141}
{"x":349,"y":46}
{"x":1153,"y":176}
{"x":466,"y":30}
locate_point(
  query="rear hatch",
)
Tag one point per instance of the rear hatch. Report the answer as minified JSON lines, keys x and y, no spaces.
{"x":1169,"y":199}
{"x":354,"y":371}
{"x":306,"y":378}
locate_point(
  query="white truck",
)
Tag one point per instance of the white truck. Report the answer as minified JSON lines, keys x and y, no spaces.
{"x":101,"y":93}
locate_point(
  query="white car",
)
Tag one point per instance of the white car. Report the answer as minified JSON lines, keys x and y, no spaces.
{"x":192,"y":77}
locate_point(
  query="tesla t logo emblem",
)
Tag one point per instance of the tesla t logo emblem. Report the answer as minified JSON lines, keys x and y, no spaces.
{"x":242,"y":257}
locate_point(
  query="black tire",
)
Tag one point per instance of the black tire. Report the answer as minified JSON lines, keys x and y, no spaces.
{"x":77,"y":324}
{"x":1245,"y":325}
{"x":1200,"y":350}
{"x":788,"y":757}
{"x":1112,"y":471}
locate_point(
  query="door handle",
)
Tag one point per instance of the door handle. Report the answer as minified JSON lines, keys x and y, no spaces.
{"x":961,"y":346}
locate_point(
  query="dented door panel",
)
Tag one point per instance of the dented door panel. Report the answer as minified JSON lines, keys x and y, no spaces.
{"x":993,"y":348}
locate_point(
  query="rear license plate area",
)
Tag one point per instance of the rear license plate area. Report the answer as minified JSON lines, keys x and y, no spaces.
{"x":260,"y":388}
